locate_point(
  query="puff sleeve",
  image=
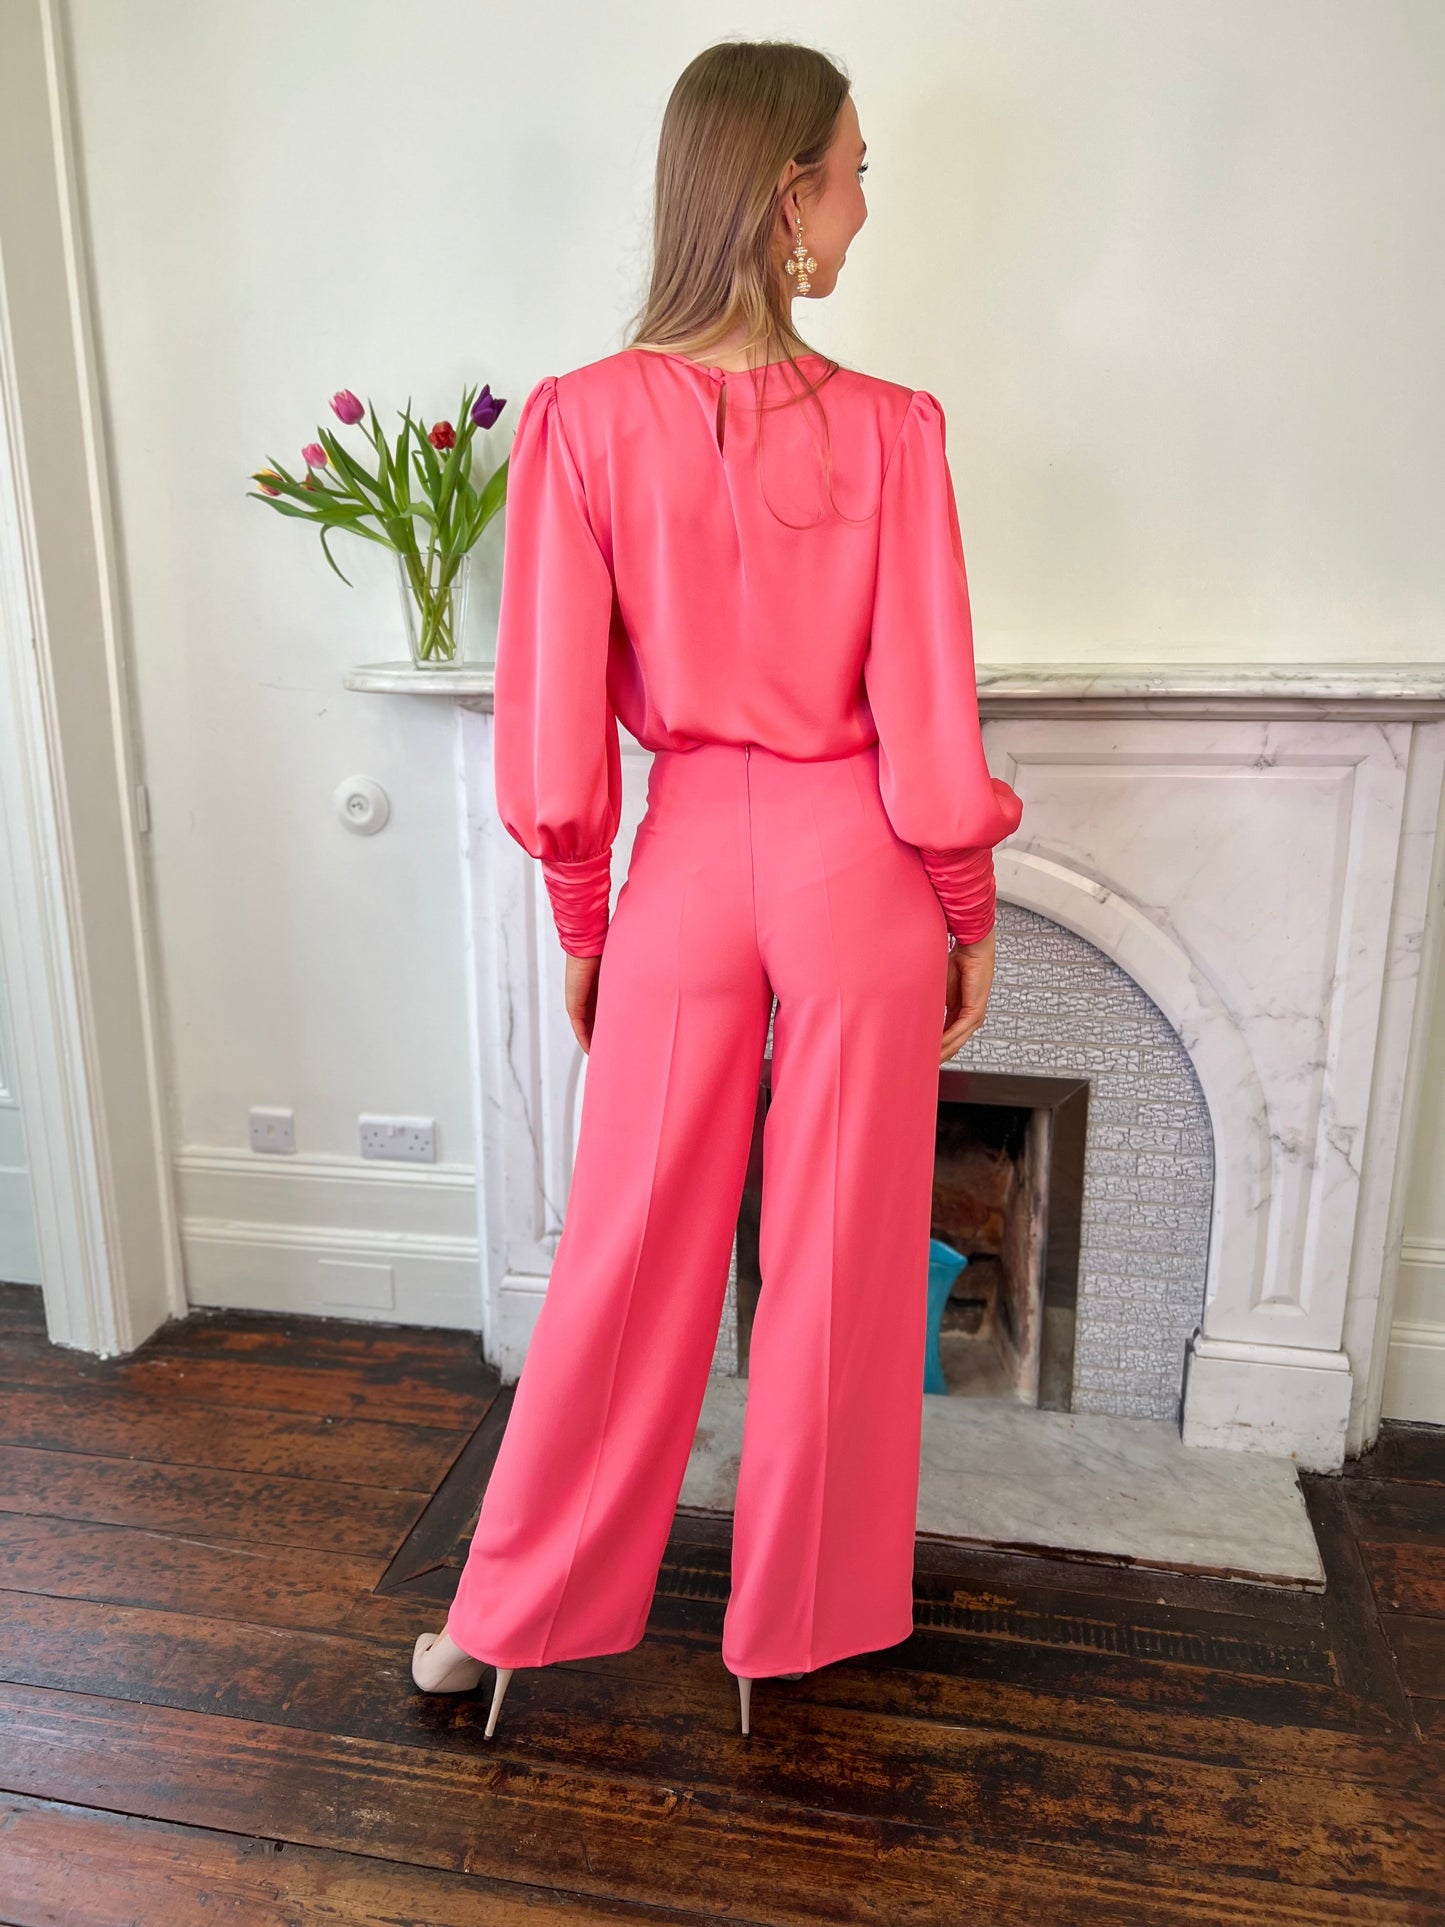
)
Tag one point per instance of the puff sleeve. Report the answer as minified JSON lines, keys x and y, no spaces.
{"x":918,"y":676}
{"x":556,"y":761}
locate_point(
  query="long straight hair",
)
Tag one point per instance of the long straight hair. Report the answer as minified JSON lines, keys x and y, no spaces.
{"x":737,"y":114}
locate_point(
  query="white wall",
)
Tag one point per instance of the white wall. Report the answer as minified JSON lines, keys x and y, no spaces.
{"x":1170,"y":270}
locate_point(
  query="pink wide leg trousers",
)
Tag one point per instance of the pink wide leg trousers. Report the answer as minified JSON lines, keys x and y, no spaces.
{"x":751,"y":874}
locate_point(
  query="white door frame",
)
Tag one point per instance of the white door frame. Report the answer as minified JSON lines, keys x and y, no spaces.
{"x":74,"y":926}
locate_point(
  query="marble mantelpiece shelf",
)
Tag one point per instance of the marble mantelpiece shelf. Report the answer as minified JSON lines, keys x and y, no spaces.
{"x":1395,"y":692}
{"x":405,"y":679}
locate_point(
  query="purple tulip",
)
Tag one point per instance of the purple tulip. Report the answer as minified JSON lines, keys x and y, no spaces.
{"x":486,"y":408}
{"x":314,"y":455}
{"x":346,"y":407}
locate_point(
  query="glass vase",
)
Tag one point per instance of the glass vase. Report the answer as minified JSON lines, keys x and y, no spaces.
{"x":434,"y":606}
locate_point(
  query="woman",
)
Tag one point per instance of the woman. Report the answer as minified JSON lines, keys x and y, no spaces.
{"x":751,"y":557}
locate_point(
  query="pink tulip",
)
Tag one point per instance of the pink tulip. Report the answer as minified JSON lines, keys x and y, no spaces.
{"x":346,"y":407}
{"x":314,"y":455}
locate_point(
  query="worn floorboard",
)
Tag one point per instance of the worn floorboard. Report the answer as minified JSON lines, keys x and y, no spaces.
{"x":215,"y":1556}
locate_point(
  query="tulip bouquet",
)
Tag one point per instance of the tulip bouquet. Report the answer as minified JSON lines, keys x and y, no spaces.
{"x":425,"y":477}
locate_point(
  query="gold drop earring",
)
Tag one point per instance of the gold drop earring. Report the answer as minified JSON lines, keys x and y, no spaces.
{"x":801,"y":263}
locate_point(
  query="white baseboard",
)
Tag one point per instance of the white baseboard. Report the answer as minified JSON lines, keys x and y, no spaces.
{"x":344,"y":1237}
{"x":1415,"y":1374}
{"x":1415,"y":1368}
{"x":356,"y":1238}
{"x":19,"y":1253}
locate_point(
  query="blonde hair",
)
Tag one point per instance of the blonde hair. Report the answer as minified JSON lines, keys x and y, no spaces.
{"x":738,"y":113}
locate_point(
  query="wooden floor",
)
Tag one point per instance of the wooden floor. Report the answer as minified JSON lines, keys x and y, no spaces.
{"x":215,"y":1556}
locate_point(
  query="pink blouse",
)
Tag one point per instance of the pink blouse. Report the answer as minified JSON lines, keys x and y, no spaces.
{"x":673,"y":561}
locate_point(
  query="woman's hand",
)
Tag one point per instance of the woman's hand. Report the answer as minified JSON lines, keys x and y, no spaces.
{"x":580,"y":994}
{"x":970,"y":976}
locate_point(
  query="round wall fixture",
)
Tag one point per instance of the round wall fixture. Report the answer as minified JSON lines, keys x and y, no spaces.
{"x":361,"y":804}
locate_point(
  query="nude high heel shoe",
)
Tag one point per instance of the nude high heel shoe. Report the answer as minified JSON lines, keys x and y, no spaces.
{"x":745,"y":1692}
{"x":460,"y":1675}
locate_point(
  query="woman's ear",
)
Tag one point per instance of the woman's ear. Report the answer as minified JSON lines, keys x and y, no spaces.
{"x":788,"y":194}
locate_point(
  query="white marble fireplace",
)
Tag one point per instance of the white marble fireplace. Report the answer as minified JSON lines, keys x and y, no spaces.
{"x":1216,"y":911}
{"x":1256,"y":852}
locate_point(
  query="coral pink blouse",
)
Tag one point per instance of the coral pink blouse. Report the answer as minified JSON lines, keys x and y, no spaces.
{"x":673,"y":561}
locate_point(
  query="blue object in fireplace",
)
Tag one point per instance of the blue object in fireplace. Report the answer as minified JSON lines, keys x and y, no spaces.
{"x":944,"y":1265}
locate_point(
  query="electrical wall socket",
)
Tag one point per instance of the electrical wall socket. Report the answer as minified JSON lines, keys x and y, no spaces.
{"x":411,"y":1139}
{"x":273,"y":1130}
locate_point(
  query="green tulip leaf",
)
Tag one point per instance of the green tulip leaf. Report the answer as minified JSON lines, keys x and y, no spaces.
{"x":430,"y":467}
{"x":331,"y":558}
{"x":383,"y":455}
{"x":281,"y":508}
{"x":401,"y":470}
{"x":364,"y":485}
{"x":494,"y":491}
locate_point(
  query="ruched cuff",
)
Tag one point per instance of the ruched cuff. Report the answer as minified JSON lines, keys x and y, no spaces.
{"x":580,"y":891}
{"x":964,"y":882}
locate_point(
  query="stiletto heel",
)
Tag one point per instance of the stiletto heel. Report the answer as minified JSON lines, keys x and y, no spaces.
{"x":745,"y":1694}
{"x":504,"y":1673}
{"x":745,"y":1691}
